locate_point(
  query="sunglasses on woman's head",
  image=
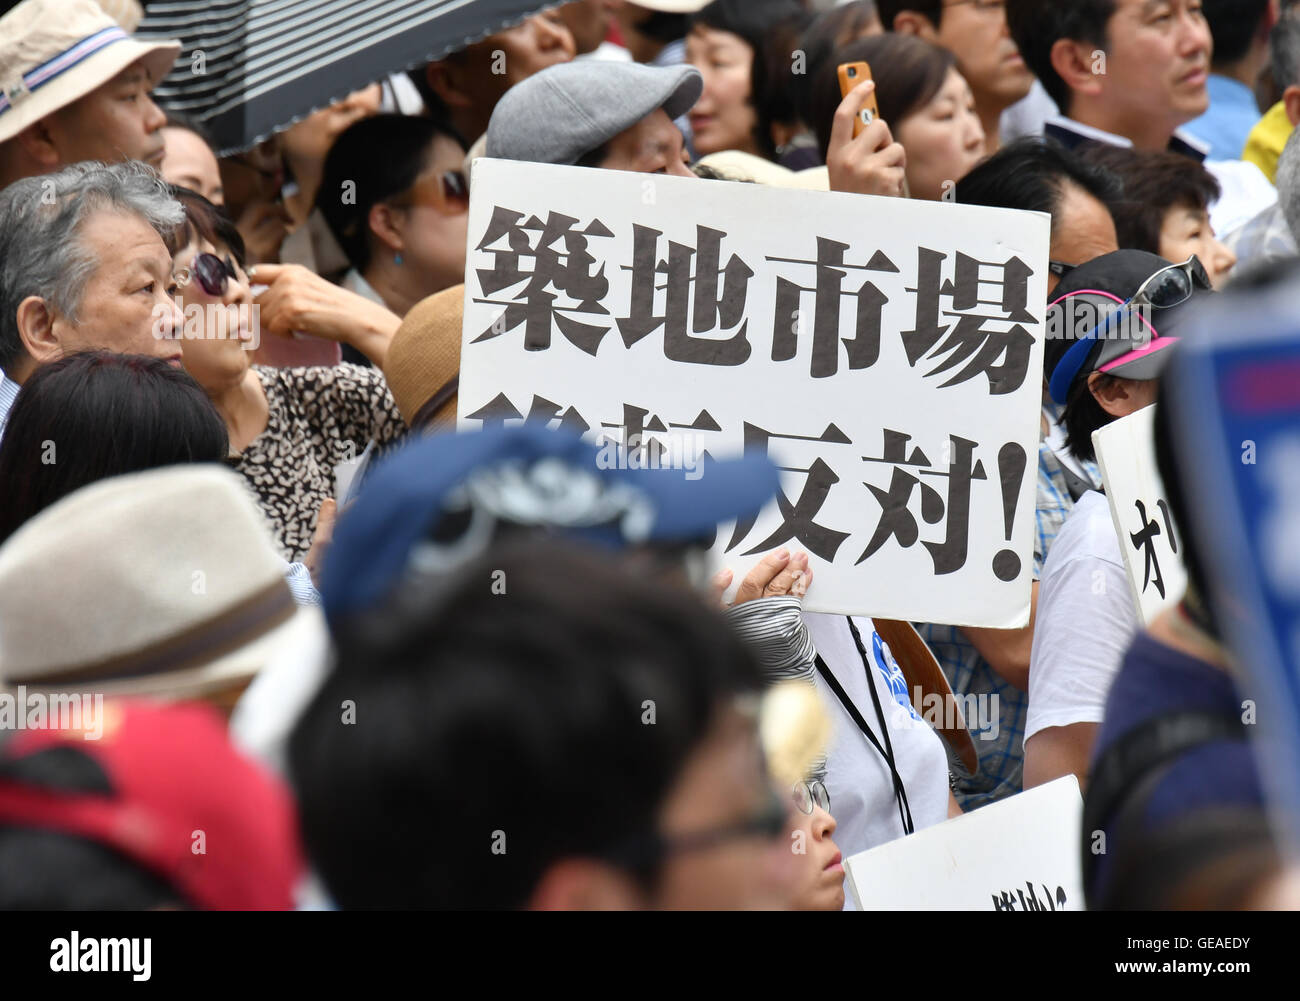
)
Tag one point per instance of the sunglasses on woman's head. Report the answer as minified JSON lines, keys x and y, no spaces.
{"x":212,"y":272}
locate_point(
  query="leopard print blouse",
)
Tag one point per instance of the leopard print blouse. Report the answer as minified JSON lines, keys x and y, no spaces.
{"x":318,"y":418}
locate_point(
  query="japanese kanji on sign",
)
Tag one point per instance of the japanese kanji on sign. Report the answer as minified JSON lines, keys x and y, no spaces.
{"x":886,"y":353}
{"x":1126,"y":456}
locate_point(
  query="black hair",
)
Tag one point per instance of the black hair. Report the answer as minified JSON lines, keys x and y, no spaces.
{"x":890,"y":9}
{"x":180,"y":120}
{"x":1083,"y":414}
{"x":1032,"y":174}
{"x":406,"y":142}
{"x":908,"y":71}
{"x":1153,"y":184}
{"x":831,"y":30}
{"x":771,"y":28}
{"x":661,"y":26}
{"x":50,"y":870}
{"x":95,"y":414}
{"x":1234,"y":24}
{"x":517,"y":713}
{"x":206,"y":221}
{"x":1037,"y":25}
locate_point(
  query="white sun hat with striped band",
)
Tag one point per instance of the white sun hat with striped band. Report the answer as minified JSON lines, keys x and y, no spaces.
{"x":54,"y":52}
{"x":164,"y":583}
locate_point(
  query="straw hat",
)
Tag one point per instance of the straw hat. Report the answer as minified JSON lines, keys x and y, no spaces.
{"x":54,"y":52}
{"x":423,"y":363}
{"x":163,"y":583}
{"x":737,"y":166}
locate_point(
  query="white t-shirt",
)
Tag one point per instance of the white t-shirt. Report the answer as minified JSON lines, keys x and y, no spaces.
{"x":1085,"y":620}
{"x":857,"y":776}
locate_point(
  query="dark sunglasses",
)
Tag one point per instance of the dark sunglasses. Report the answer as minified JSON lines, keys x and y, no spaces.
{"x":447,"y":193}
{"x":1169,"y":287}
{"x":212,"y":272}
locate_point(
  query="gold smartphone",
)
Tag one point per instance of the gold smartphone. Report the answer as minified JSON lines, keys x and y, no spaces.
{"x":852,"y":74}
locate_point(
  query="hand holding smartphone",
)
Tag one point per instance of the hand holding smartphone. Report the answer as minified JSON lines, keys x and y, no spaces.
{"x":851,"y":75}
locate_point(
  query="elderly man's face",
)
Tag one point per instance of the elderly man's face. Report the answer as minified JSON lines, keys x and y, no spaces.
{"x":126,"y":306}
{"x":651,"y":146}
{"x":117,"y":121}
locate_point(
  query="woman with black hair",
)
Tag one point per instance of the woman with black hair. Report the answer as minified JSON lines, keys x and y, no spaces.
{"x":401,"y":217}
{"x":922,"y":98}
{"x":740,"y":46}
{"x":95,"y":414}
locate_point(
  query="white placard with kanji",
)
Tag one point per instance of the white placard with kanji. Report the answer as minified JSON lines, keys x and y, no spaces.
{"x":886,"y":353}
{"x":1126,"y":455}
{"x":1018,"y":854}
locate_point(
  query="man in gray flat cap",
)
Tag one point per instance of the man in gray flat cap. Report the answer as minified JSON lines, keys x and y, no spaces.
{"x":598,"y":114}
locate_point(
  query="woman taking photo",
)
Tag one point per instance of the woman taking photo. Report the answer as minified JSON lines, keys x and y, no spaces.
{"x":923,"y":100}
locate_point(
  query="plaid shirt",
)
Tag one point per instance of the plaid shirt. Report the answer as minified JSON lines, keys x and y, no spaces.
{"x":1002,"y":759}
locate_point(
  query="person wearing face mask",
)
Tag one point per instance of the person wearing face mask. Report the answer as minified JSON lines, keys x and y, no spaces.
{"x":401,"y":218}
{"x":924,"y":101}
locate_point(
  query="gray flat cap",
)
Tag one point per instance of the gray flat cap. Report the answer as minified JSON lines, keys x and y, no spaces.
{"x":566,"y":111}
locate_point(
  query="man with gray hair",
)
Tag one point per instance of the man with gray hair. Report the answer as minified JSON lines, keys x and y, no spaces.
{"x":85,"y":262}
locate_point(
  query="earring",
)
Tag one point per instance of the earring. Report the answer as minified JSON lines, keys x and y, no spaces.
{"x":397,"y":259}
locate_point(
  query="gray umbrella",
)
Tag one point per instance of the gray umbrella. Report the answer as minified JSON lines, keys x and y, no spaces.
{"x":249,"y":68}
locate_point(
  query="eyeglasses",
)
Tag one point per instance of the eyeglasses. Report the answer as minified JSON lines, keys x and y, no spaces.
{"x":1169,"y":287}
{"x":651,"y":850}
{"x":213,"y":274}
{"x":810,"y":794}
{"x":447,"y":193}
{"x":1060,"y":268}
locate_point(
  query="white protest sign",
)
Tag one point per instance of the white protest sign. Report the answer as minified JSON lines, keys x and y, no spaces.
{"x":1126,"y":455}
{"x":886,"y":353}
{"x":1020,"y":853}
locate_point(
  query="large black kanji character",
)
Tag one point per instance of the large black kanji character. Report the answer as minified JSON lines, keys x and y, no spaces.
{"x":757,"y":440}
{"x":500,"y":409}
{"x":864,"y":346}
{"x":798,"y":519}
{"x":896,"y":519}
{"x":1002,"y":356}
{"x":1146,"y":540}
{"x":568,"y":271}
{"x":711,"y":310}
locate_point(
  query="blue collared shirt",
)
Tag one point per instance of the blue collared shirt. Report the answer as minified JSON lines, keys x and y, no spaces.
{"x":1226,"y":126}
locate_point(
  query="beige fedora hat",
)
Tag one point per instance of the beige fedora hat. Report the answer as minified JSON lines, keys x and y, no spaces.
{"x":164,"y":583}
{"x":53,"y":52}
{"x":422,"y":366}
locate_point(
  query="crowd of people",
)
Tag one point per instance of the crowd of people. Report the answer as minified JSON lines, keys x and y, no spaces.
{"x":370,"y":661}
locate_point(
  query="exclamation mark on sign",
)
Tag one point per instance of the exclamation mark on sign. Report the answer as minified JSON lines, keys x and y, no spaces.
{"x":1011,"y":470}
